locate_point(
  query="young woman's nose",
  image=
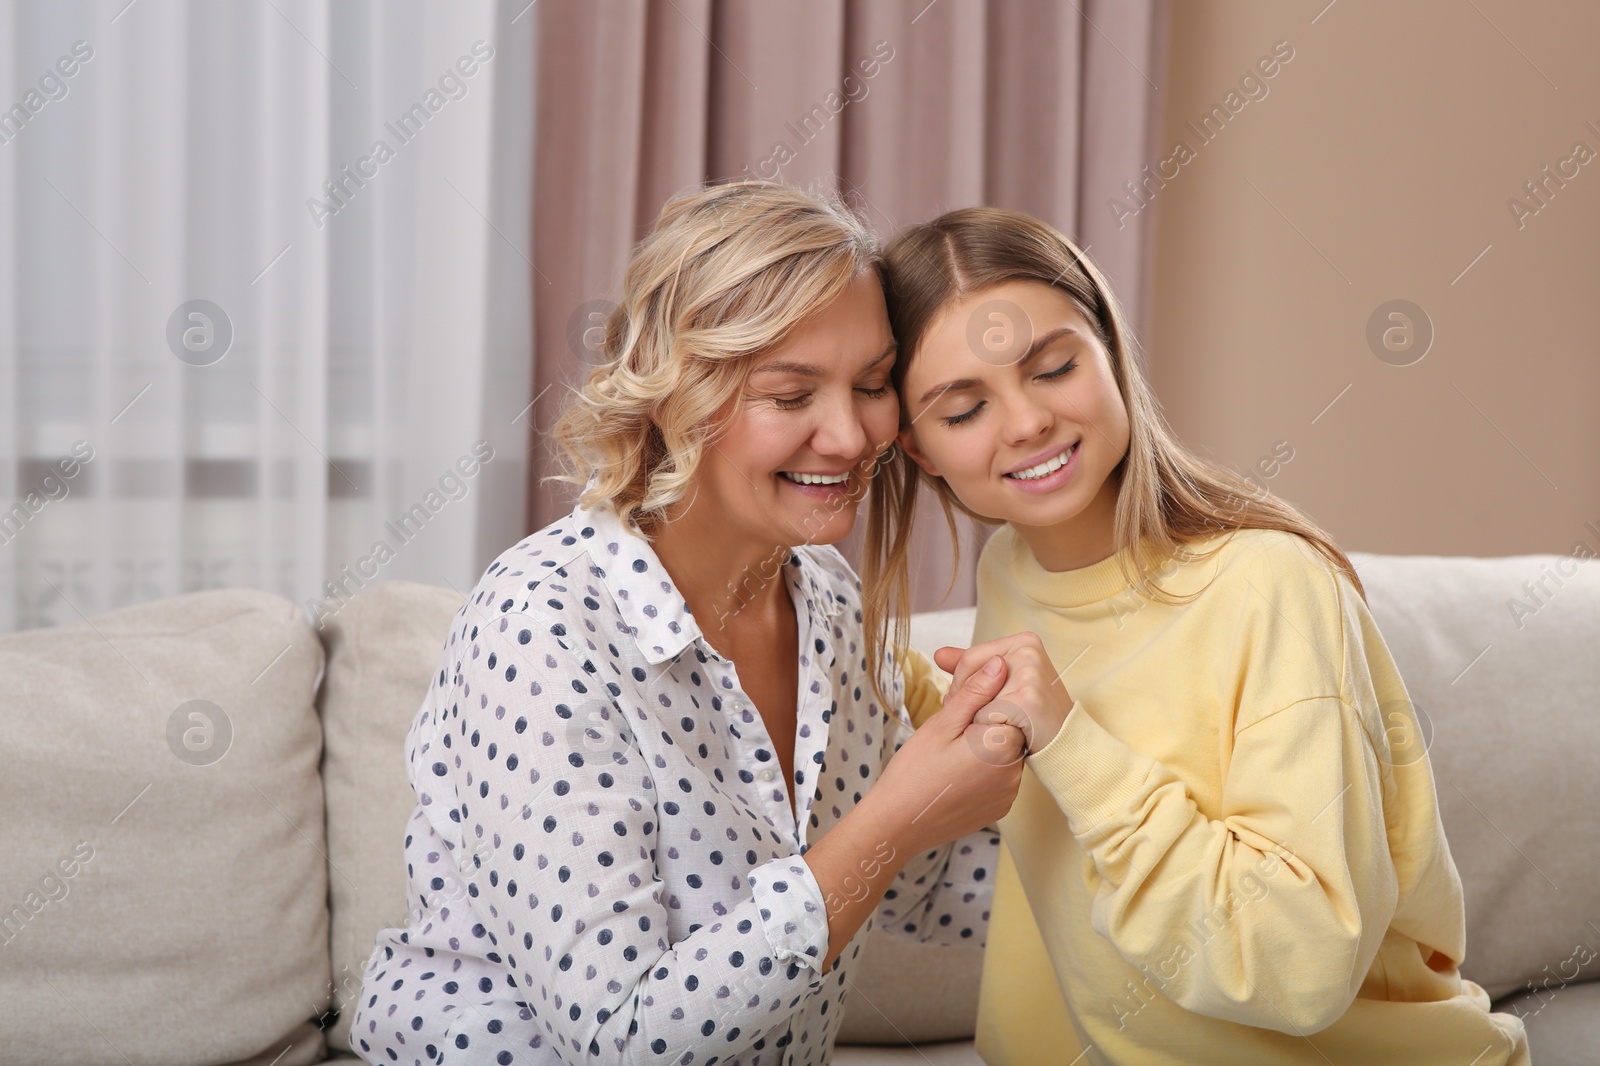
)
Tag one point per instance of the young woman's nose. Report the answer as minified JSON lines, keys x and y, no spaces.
{"x":1025,"y":419}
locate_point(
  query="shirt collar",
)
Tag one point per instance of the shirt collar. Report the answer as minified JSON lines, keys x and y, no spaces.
{"x":821,"y":597}
{"x":653,"y":610}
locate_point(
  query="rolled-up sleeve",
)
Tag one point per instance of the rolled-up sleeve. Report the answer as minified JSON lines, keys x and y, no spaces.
{"x":792,"y":910}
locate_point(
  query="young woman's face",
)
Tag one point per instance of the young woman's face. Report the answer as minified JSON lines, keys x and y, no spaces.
{"x":799,"y":448}
{"x":1011,"y":399}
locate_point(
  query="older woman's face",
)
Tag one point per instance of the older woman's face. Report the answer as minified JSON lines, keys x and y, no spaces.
{"x":800,"y":444}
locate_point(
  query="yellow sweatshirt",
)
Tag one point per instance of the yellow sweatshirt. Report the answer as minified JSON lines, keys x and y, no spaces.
{"x":1231,"y":852}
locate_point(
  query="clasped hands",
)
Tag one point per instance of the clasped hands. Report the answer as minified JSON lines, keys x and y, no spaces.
{"x":960,"y":770}
{"x":1033,"y":699}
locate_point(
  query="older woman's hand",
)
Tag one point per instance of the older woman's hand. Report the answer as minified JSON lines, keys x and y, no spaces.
{"x":1034,"y":699}
{"x":955,"y":774}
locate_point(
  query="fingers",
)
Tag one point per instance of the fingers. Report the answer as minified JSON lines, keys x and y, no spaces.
{"x":1031,"y":701}
{"x":975,"y":692}
{"x":1017,"y":648}
{"x":996,"y":745}
{"x":1003,"y":712}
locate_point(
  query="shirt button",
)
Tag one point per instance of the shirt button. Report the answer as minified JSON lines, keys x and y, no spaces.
{"x":768,"y":775}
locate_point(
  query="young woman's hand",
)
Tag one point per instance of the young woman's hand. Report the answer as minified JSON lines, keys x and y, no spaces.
{"x":1033,"y":698}
{"x":956,"y":773}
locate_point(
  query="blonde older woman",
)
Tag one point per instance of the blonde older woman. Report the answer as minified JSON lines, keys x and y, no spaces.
{"x":656,"y":804}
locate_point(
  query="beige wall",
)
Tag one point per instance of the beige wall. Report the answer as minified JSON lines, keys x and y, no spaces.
{"x":1377,"y":167}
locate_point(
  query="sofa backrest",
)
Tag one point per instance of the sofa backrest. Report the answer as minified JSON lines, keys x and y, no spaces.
{"x":383,"y":646}
{"x":1502,"y":656}
{"x":163,"y":868}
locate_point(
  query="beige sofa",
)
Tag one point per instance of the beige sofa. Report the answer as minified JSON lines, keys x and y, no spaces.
{"x":206,"y":797}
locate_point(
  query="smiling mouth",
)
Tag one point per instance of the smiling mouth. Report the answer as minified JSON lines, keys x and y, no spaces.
{"x":1046,"y":468}
{"x":800,"y":478}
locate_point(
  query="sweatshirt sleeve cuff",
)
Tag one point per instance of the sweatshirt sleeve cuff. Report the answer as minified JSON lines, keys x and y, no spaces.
{"x":1091,"y":773}
{"x":790,"y":903}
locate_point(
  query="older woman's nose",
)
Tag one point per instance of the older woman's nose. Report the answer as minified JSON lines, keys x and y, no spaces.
{"x":840,"y":432}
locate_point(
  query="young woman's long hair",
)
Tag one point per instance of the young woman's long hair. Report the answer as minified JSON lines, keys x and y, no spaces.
{"x":1169,"y":496}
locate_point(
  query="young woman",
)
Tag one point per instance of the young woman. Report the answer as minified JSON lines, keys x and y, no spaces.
{"x":653,"y":815}
{"x":1229,"y":848}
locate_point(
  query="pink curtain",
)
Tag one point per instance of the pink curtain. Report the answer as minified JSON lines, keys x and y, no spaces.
{"x":908,"y":108}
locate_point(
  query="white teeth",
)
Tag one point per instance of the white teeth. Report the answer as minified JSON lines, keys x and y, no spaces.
{"x":1049,"y":466}
{"x":816,"y":479}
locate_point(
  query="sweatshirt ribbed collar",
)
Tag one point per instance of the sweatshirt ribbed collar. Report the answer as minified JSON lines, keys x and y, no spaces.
{"x":1065,"y":588}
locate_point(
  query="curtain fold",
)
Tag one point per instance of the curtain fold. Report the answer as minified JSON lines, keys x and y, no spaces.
{"x":908,"y":108}
{"x":266,"y":267}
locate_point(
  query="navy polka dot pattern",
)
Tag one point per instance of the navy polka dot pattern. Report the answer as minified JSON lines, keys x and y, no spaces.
{"x":603,"y":865}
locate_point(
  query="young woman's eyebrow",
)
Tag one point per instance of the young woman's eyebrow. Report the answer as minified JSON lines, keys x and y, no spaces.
{"x":1039,"y":345}
{"x":811,"y":370}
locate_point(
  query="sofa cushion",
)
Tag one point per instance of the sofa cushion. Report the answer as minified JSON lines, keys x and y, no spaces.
{"x":165,"y":882}
{"x":884,"y":1007}
{"x":1506,"y":674}
{"x":888,"y":1006}
{"x":1563,"y":1020}
{"x":382,"y":647}
{"x":957,"y":1053}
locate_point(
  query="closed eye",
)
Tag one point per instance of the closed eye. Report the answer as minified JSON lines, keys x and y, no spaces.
{"x":956,"y":420}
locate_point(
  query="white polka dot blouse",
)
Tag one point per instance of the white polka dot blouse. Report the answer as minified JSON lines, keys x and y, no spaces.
{"x":603,"y":866}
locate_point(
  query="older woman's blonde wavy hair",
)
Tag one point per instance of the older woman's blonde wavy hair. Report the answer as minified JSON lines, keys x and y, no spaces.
{"x":726,"y":272}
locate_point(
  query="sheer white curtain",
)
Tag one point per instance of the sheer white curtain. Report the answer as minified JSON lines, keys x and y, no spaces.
{"x":263,"y":297}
